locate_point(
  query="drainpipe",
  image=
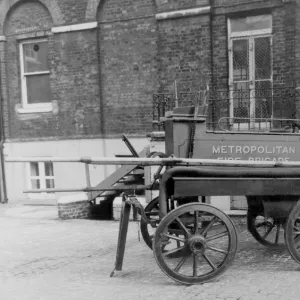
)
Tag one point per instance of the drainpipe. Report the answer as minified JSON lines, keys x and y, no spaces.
{"x":2,"y":166}
{"x":213,"y":85}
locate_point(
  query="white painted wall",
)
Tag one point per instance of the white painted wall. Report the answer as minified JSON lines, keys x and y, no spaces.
{"x":72,"y":175}
{"x":67,"y":175}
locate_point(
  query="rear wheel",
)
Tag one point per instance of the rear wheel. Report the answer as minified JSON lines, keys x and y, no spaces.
{"x":292,"y":233}
{"x":267,"y":231}
{"x":152,"y":214}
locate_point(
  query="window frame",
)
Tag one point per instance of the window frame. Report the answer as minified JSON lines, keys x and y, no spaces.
{"x":31,"y":107}
{"x":42,"y":178}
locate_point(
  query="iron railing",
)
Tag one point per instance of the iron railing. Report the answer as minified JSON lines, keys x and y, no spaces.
{"x":236,"y":109}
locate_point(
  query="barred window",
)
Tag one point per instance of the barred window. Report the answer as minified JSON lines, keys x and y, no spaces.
{"x":250,"y":69}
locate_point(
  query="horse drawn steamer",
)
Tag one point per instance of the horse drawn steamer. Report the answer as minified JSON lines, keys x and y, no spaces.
{"x":194,"y":242}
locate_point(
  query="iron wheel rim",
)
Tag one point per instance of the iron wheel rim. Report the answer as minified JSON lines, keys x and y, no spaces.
{"x":266,"y":230}
{"x":196,"y":246}
{"x":292,"y":233}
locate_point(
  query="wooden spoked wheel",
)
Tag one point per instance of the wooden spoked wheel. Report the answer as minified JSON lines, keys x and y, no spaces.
{"x":292,"y":233}
{"x":195,"y":243}
{"x":267,"y":231}
{"x":152,"y":213}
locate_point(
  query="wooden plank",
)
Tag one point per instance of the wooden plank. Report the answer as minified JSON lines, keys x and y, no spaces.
{"x":114,"y":177}
{"x":236,"y":186}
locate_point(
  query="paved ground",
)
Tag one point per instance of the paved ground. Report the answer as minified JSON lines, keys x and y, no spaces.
{"x":42,"y":258}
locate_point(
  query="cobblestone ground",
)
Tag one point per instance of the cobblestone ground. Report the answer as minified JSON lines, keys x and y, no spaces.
{"x":68,"y":260}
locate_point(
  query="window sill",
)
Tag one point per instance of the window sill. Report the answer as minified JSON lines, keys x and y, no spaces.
{"x":35,"y":110}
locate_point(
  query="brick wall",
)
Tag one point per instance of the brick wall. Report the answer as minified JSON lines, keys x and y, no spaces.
{"x":127,"y":52}
{"x":73,"y":10}
{"x":22,"y":22}
{"x":297,"y":56}
{"x":74,"y":210}
{"x":102,"y":80}
{"x":183,"y":52}
{"x":74,"y":81}
{"x":169,"y":5}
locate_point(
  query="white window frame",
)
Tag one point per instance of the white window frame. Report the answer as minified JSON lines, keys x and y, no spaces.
{"x":34,"y":107}
{"x":250,"y":35}
{"x":42,"y":177}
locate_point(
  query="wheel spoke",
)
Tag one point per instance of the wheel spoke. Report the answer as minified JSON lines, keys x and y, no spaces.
{"x":204,"y":232}
{"x":180,"y":264}
{"x":152,"y":213}
{"x":183,"y":227}
{"x":268,"y":232}
{"x":260,"y":224}
{"x":173,"y":251}
{"x":216,"y":236}
{"x":296,"y":231}
{"x":196,"y":229}
{"x":209,"y":261}
{"x":217,"y":250}
{"x":277,"y":233}
{"x":297,"y":240}
{"x":195,"y":265}
{"x":176,"y":238}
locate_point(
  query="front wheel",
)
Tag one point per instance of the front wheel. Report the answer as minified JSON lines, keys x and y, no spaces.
{"x":203,"y":247}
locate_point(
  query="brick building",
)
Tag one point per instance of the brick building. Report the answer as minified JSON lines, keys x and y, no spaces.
{"x":77,"y":74}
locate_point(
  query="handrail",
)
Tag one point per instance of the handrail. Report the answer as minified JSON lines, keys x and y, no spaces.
{"x":255,"y":120}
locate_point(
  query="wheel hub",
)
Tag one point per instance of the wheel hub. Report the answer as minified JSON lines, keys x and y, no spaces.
{"x":197,"y":244}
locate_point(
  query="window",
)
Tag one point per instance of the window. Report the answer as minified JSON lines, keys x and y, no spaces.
{"x":41,"y":176}
{"x":250,"y":70}
{"x":35,"y":75}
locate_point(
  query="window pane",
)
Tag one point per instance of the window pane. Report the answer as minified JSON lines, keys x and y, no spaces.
{"x":34,"y":169}
{"x":48,"y":169}
{"x":50,"y":183}
{"x":38,"y":89}
{"x":35,"y":57}
{"x":241,"y":101}
{"x":263,"y":99}
{"x":263,"y":58}
{"x":35,"y":184}
{"x":251,"y":23}
{"x":240,"y":57}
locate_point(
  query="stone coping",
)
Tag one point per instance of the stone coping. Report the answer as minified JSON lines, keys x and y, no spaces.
{"x":79,"y":197}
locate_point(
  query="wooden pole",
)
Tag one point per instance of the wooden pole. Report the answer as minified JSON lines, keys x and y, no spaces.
{"x":171,"y":161}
